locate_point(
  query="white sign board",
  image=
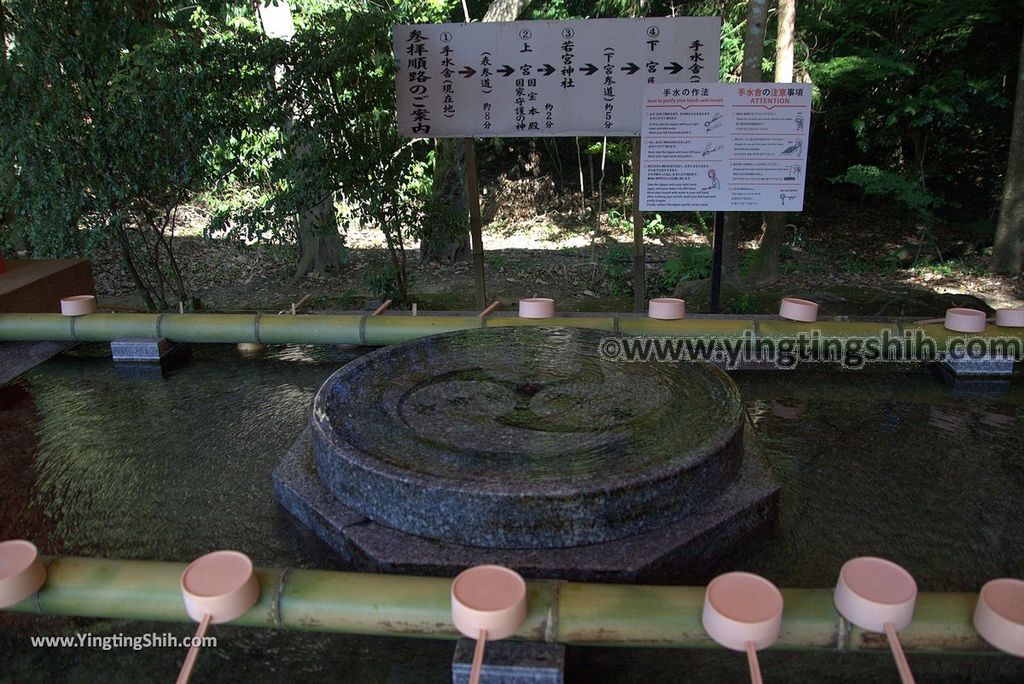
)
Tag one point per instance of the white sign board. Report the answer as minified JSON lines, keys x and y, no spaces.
{"x":277,"y":20}
{"x":725,"y":147}
{"x":538,"y":78}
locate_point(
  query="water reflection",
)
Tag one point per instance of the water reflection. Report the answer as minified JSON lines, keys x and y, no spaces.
{"x":884,"y":463}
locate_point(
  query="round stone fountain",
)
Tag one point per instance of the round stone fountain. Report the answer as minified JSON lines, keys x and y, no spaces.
{"x":524,"y":446}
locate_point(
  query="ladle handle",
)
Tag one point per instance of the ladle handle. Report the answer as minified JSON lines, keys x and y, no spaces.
{"x":755,"y":667}
{"x":478,"y":657}
{"x":897,"y":653}
{"x":193,"y":651}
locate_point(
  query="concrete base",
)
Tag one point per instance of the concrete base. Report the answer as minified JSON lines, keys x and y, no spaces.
{"x":682,"y":551}
{"x":972,"y":385}
{"x":987,"y":367}
{"x":511,"y":662}
{"x":147,"y":358}
{"x":38,"y":285}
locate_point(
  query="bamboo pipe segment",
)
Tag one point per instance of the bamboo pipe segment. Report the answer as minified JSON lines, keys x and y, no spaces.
{"x":22,"y":572}
{"x":575,"y":613}
{"x":356,"y":328}
{"x":382,"y":308}
{"x":493,"y":305}
{"x":488,"y":602}
{"x":878,"y":595}
{"x":743,"y":612}
{"x":217,"y":587}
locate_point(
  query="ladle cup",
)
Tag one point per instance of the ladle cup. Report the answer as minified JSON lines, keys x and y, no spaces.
{"x":964,"y":320}
{"x":22,"y":572}
{"x":878,"y":595}
{"x":217,"y":587}
{"x":666,"y":308}
{"x":796,"y":309}
{"x":488,"y":603}
{"x":78,"y":305}
{"x":999,"y":615}
{"x":743,"y":612}
{"x":536,"y":307}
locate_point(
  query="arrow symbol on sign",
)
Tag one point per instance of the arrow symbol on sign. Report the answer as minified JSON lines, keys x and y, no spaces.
{"x":674,"y":68}
{"x":631,"y":68}
{"x":589,"y":70}
{"x":547,"y":70}
{"x":506,"y":70}
{"x":468,"y":71}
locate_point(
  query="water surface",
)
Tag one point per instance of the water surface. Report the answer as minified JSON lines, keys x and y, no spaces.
{"x":93,"y":462}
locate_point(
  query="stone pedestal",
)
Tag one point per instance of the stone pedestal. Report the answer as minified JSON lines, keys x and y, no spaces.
{"x":987,"y":367}
{"x":147,"y":358}
{"x":524,"y":447}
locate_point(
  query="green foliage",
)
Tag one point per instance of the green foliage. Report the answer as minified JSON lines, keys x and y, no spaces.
{"x":688,"y":263}
{"x":853,"y":264}
{"x":381,"y":280}
{"x":108,"y":116}
{"x":333,"y":109}
{"x":954,"y":268}
{"x":654,"y":226}
{"x":617,"y":263}
{"x":881,"y":183}
{"x":916,"y":92}
{"x":744,"y":303}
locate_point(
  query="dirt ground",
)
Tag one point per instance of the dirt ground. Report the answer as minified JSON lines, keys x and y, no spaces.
{"x":841,"y":252}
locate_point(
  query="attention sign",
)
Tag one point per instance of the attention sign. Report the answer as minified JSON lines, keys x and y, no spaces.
{"x":540,"y":78}
{"x":725,"y":147}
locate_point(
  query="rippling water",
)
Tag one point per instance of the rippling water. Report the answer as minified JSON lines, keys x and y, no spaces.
{"x":95,"y":463}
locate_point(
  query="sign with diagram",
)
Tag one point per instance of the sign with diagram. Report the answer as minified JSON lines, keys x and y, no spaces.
{"x":544,"y":78}
{"x":724,"y":147}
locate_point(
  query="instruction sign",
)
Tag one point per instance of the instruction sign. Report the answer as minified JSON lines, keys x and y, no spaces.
{"x":725,"y":147}
{"x":544,"y":78}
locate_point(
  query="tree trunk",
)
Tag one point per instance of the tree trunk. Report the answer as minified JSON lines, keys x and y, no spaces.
{"x":446,"y":235}
{"x":765,"y":266}
{"x":753,"y":53}
{"x":1007,"y":253}
{"x":505,"y":10}
{"x":446,"y":232}
{"x":321,"y":248}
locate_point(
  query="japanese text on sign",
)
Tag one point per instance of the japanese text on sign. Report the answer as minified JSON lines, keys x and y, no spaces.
{"x":725,"y":147}
{"x":536,"y":78}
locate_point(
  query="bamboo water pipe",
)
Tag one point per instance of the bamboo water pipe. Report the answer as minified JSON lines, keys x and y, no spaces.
{"x":406,"y":606}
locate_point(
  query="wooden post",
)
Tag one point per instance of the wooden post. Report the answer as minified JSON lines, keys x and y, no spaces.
{"x":475,"y":231}
{"x":639,"y":278}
